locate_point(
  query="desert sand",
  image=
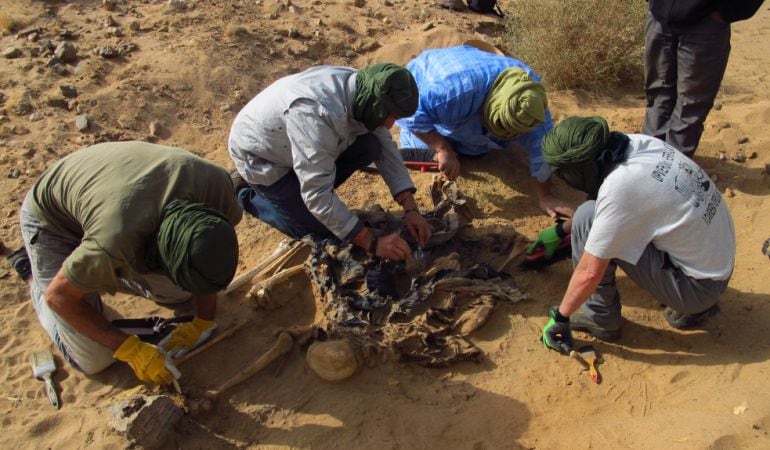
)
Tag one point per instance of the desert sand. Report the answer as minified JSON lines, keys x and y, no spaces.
{"x":193,"y":67}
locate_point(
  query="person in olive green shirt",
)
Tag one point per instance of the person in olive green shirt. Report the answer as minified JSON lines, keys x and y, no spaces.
{"x":154,"y":220}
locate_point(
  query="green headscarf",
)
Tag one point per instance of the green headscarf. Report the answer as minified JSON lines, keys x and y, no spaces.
{"x":515,"y":104}
{"x":196,"y":246}
{"x":571,"y":149}
{"x":383,"y":89}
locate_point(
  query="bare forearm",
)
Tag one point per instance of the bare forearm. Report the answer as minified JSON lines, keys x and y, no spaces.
{"x":435,"y":141}
{"x":583,"y":283}
{"x":406,"y":200}
{"x":87,"y":321}
{"x":543,"y":188}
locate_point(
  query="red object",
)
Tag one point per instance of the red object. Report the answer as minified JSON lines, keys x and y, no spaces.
{"x":539,"y":252}
{"x":422,"y":166}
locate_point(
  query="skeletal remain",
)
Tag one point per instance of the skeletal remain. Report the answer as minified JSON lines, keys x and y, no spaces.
{"x":210,"y":343}
{"x":281,"y":347}
{"x":517,"y":252}
{"x":283,"y":248}
{"x":261,"y":291}
{"x":332,"y":360}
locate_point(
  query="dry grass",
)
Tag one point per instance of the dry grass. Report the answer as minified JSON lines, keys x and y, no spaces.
{"x":10,"y":23}
{"x":579,"y":44}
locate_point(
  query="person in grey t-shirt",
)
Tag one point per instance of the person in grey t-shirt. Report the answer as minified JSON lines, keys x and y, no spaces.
{"x":305,"y":135}
{"x":656,"y":214}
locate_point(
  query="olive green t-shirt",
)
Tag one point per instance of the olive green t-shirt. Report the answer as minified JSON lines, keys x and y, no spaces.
{"x":111,"y":196}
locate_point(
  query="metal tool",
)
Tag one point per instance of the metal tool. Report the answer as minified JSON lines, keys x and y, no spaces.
{"x":43,"y":366}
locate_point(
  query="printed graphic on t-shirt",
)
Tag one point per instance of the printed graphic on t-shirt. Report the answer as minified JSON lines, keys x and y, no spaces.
{"x":690,"y":181}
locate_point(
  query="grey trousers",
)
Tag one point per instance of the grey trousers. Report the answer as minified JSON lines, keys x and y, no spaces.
{"x":47,"y":251}
{"x":683,"y":69}
{"x":654,"y":273}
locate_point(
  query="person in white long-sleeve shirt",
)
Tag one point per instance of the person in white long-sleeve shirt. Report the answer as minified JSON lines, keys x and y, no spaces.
{"x":305,"y":134}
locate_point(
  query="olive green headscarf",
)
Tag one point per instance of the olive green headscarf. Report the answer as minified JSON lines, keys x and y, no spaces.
{"x":384,"y":89}
{"x":196,"y":246}
{"x":515,"y":104}
{"x":571,"y":149}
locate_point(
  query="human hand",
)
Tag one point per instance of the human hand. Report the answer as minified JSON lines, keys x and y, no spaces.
{"x":549,"y":239}
{"x":448,"y":163}
{"x":554,"y":206}
{"x":556,"y":333}
{"x":187,"y":336}
{"x":417,"y":226}
{"x":391,"y":246}
{"x":147,"y":361}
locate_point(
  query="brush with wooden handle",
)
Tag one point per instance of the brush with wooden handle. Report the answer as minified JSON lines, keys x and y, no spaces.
{"x":43,"y":366}
{"x":588,"y":353}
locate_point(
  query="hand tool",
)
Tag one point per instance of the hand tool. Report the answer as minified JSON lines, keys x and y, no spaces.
{"x":43,"y":366}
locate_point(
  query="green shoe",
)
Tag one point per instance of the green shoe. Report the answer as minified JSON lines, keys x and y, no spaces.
{"x":579,"y":321}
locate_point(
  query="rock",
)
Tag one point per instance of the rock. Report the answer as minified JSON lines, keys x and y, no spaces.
{"x":57,"y":103}
{"x":15,"y":173}
{"x":106,"y":51}
{"x":11,"y":53}
{"x":124,"y":48}
{"x":36,"y":116}
{"x":109,"y":5}
{"x":386,"y":3}
{"x":428,"y":26}
{"x":32,"y":37}
{"x":108,"y":22}
{"x":739,"y":156}
{"x":743,"y":140}
{"x":155,"y":128}
{"x":81,"y":122}
{"x":729,"y":193}
{"x":722,"y":156}
{"x":145,"y":420}
{"x":177,"y":5}
{"x":294,"y":32}
{"x":294,"y":9}
{"x":66,"y":52}
{"x":68,"y":91}
{"x":114,"y":31}
{"x":358,"y":3}
{"x":134,"y":25}
{"x":753,"y":155}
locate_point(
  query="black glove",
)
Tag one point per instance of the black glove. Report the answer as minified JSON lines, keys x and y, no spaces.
{"x":556,"y":333}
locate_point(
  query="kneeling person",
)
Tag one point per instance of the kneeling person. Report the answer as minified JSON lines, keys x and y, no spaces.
{"x":154,"y":220}
{"x":656,"y":214}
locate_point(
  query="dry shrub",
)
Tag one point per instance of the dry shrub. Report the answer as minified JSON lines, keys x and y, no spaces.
{"x":579,"y":44}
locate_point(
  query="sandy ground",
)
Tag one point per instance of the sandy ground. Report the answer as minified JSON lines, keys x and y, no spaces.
{"x":193,"y":69}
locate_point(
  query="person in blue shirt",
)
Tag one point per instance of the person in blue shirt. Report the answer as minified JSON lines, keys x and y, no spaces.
{"x":472,"y":102}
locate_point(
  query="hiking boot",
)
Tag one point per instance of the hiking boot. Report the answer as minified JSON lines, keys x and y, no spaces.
{"x":238,"y":181}
{"x":19,"y":260}
{"x":680,"y":320}
{"x":579,"y":321}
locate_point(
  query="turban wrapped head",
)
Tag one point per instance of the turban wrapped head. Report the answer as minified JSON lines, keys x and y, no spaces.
{"x":384,"y":89}
{"x":514,"y":105}
{"x":196,"y":246}
{"x":580,"y":148}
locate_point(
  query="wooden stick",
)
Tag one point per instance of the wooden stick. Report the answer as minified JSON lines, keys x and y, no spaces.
{"x":244,"y":278}
{"x":210,"y":343}
{"x":282,"y":346}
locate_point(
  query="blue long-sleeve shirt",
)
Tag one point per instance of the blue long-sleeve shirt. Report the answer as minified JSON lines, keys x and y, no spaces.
{"x":453,"y":84}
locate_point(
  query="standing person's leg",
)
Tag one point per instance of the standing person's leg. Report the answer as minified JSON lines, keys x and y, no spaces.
{"x":660,"y":77}
{"x":688,"y":300}
{"x":280,"y":205}
{"x":704,"y":49}
{"x":600,"y":315}
{"x":47,"y":251}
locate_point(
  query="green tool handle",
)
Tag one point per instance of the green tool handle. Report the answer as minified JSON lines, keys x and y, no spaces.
{"x":49,"y":389}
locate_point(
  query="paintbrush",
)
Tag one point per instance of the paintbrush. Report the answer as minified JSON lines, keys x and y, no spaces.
{"x":588,"y":352}
{"x":43,"y":366}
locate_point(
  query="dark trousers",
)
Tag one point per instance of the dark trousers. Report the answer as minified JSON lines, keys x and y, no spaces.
{"x":683,"y":68}
{"x":280,"y":205}
{"x":654,"y":273}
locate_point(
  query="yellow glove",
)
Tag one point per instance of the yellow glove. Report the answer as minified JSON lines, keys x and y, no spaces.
{"x":148,"y":362}
{"x":187,"y":336}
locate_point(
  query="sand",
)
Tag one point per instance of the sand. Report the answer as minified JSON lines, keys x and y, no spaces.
{"x":193,"y":69}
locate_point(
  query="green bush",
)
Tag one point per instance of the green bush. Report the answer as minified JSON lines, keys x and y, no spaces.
{"x":579,"y":44}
